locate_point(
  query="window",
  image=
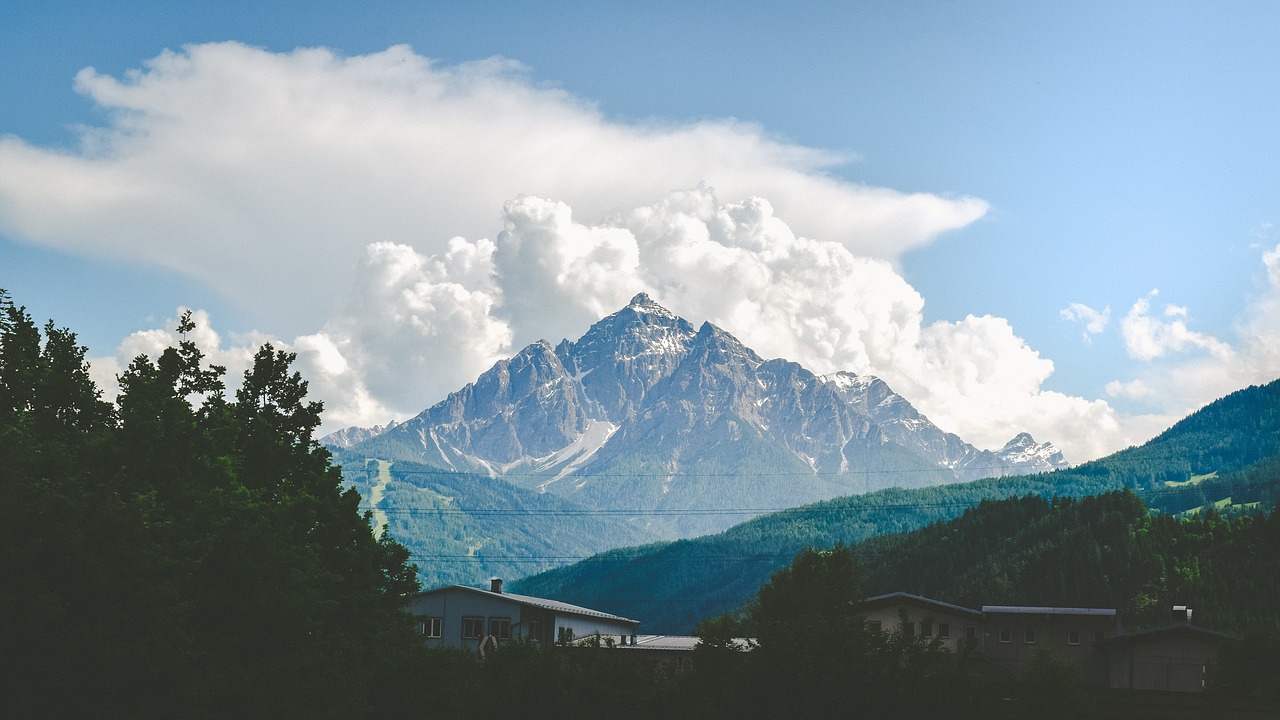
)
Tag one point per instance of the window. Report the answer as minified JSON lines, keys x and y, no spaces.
{"x":908,"y":629}
{"x":944,"y":631}
{"x":1073,"y":637}
{"x":1029,"y":636}
{"x":971,"y":633}
{"x":926,"y":629}
{"x":1006,"y":635}
{"x":429,"y":627}
{"x":534,"y":630}
{"x":472,"y":627}
{"x":564,"y":635}
{"x":500,"y":628}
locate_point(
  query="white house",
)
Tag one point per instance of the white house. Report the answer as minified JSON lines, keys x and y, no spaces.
{"x":957,"y":628}
{"x":471,"y":618}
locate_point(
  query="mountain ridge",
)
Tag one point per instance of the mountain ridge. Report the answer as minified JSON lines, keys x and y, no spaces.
{"x":644,"y":412}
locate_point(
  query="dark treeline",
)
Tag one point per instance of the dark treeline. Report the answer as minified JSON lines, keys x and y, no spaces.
{"x":1105,"y":551}
{"x":183,"y":553}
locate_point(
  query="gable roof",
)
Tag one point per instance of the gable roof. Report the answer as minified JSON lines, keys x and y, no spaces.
{"x":1166,"y":632}
{"x":902,"y":598}
{"x":535,"y":602}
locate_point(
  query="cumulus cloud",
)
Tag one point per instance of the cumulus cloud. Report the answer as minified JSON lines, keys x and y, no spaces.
{"x":1094,"y":321}
{"x":1183,"y":369}
{"x":401,"y":224}
{"x":1148,"y":338}
{"x":265,"y":175}
{"x":414,"y":326}
{"x":736,"y":264}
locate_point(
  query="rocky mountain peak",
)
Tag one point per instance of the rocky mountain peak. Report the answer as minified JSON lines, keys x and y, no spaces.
{"x":646,"y":411}
{"x":642,"y":303}
{"x":1024,"y":452}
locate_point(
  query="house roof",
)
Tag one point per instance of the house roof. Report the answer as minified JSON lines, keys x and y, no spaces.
{"x":1026,"y":610}
{"x":664,"y":642}
{"x":536,"y":602}
{"x":682,"y":643}
{"x":902,"y":598}
{"x":1164,"y":633}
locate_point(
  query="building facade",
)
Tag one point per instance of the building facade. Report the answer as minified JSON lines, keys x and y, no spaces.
{"x":958,"y":628}
{"x":474,"y":618}
{"x":1013,"y":634}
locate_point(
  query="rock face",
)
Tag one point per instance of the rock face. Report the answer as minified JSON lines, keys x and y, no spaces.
{"x":644,"y":413}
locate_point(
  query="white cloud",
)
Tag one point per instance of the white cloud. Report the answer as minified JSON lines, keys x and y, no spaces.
{"x":1183,"y":369}
{"x":1094,"y":321}
{"x":744,"y":269}
{"x":1147,"y":338}
{"x":416,"y":326}
{"x":1134,"y":390}
{"x":347,"y":203}
{"x":264,"y":175}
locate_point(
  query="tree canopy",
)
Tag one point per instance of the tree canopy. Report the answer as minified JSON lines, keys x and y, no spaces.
{"x":181,"y":553}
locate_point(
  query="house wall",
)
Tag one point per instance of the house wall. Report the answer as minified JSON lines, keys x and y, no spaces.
{"x":587,"y":626}
{"x":453,"y":605}
{"x":1179,"y":664}
{"x":1007,"y":645}
{"x":889,"y":618}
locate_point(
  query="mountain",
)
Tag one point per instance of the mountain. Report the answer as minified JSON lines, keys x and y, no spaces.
{"x":349,"y":436}
{"x":686,"y":430}
{"x":1226,"y":456}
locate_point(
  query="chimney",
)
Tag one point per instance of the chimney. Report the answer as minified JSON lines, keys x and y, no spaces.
{"x":1181,"y":614}
{"x":495,"y":585}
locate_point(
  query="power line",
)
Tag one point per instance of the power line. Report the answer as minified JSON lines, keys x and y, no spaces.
{"x":821,"y":507}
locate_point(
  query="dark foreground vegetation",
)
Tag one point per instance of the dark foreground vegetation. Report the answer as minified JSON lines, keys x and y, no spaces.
{"x":182,"y":553}
{"x":186,"y":553}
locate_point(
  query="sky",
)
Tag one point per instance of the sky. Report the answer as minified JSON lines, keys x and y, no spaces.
{"x":1022,"y":216}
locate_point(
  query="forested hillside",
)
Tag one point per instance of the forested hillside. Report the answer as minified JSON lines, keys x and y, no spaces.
{"x":502,"y":530}
{"x":1224,"y":454}
{"x":1105,"y":551}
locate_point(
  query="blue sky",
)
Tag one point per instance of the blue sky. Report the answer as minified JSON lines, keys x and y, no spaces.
{"x":1041,"y":166}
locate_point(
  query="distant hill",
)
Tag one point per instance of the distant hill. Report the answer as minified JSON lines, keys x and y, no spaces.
{"x":1224,"y":452}
{"x":461,"y":528}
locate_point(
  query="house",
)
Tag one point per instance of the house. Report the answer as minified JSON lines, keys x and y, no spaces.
{"x":1177,"y":657}
{"x":957,"y":628}
{"x":473,"y":618}
{"x":1012,"y":634}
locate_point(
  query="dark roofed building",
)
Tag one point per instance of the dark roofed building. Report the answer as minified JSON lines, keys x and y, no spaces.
{"x":472,"y":618}
{"x":1177,"y":657}
{"x":1014,"y":632}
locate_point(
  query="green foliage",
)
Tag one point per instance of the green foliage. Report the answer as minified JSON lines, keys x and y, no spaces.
{"x":817,"y":657}
{"x":1051,"y":688}
{"x":184,"y":555}
{"x":1105,"y":551}
{"x":1249,"y":665}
